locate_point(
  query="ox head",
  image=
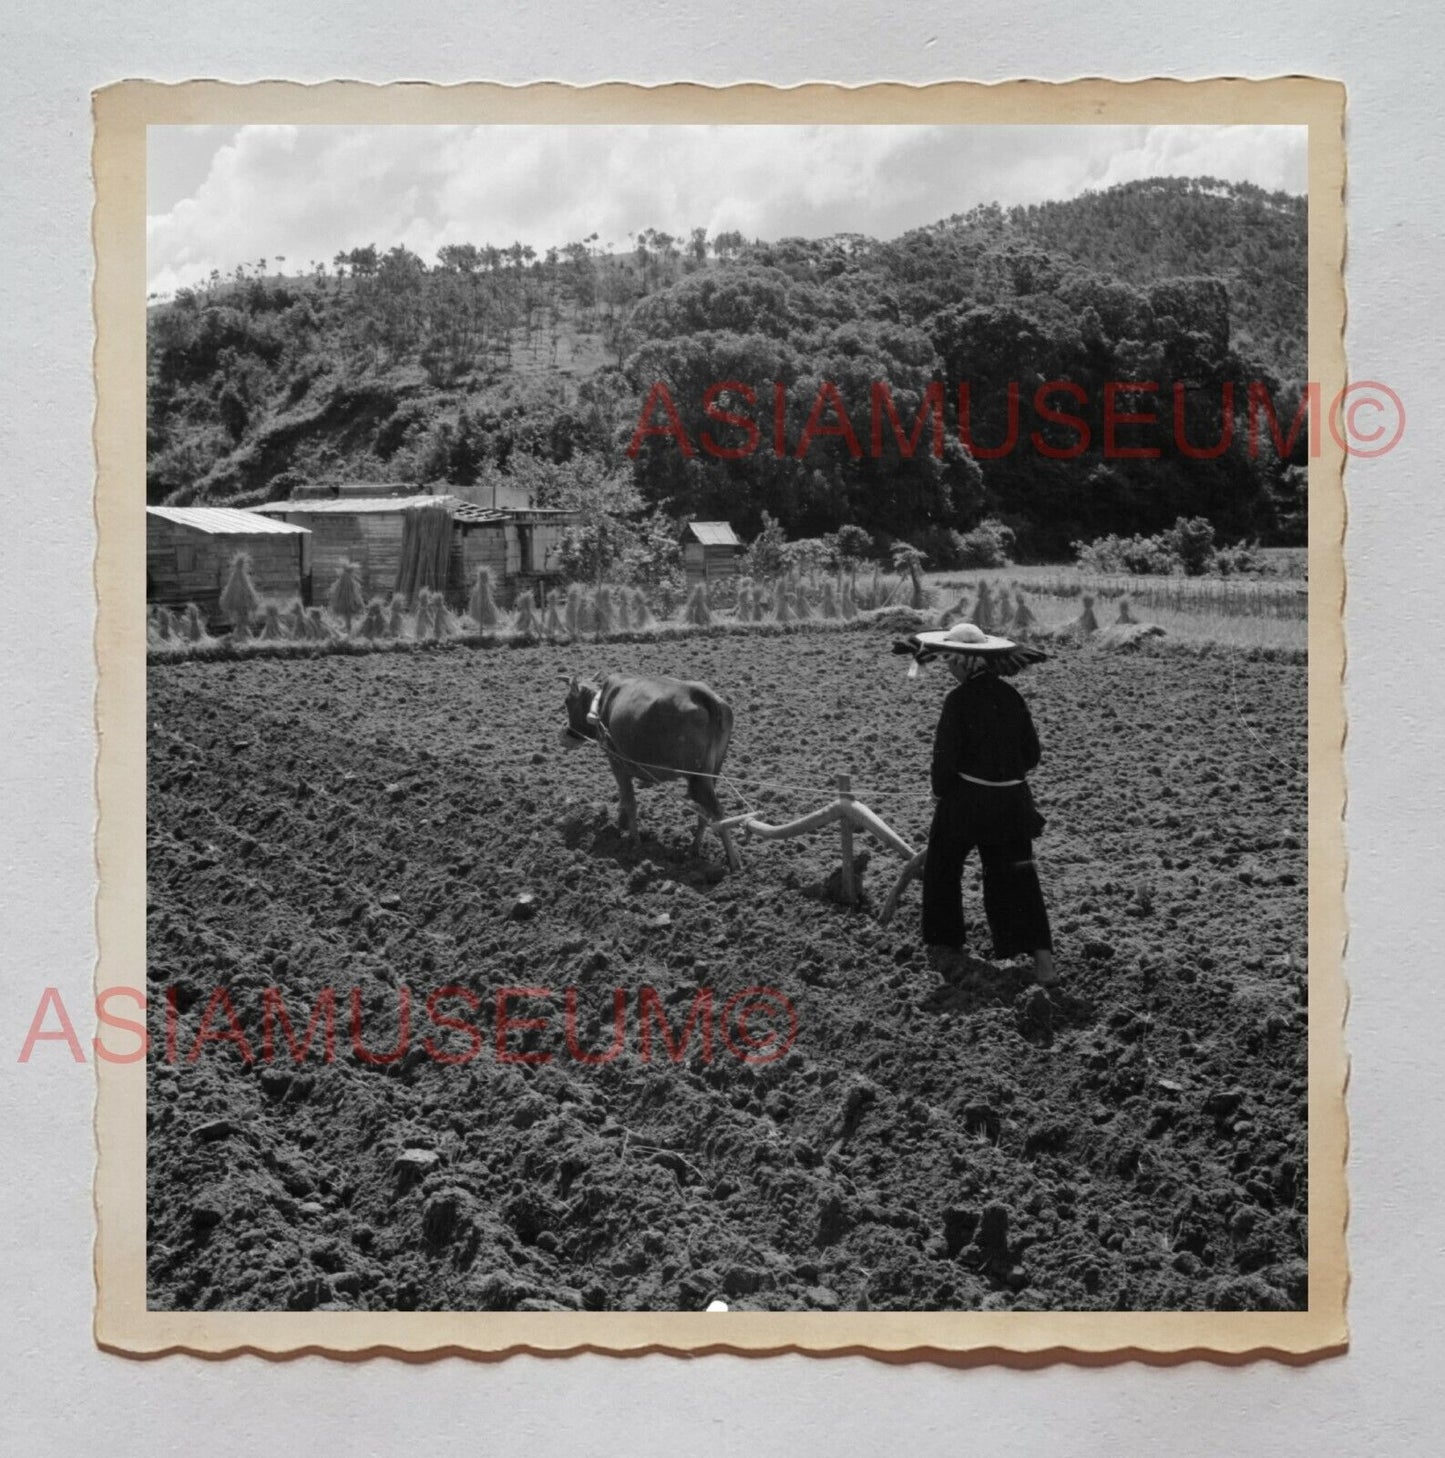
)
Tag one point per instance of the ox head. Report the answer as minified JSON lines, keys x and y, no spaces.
{"x":580,"y":696}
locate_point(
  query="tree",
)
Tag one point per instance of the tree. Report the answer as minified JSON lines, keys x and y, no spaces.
{"x":910,"y":560}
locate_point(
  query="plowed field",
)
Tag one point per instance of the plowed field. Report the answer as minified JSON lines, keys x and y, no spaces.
{"x":391,"y":826}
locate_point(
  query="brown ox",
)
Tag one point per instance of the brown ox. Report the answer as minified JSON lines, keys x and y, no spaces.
{"x":651,"y":730}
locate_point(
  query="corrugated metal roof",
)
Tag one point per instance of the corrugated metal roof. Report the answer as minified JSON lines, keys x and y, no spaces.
{"x":347,"y":506}
{"x":222,"y":521}
{"x":714,"y":533}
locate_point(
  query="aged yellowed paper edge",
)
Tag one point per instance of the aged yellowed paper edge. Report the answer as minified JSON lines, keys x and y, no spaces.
{"x":122,"y":1322}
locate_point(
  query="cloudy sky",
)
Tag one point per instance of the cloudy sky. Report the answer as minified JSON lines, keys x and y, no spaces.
{"x":222,"y":195}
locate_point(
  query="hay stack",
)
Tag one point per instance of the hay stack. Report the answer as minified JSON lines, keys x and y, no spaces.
{"x":849,"y":605}
{"x":345,"y":599}
{"x":295,"y":620}
{"x":552,"y":625}
{"x":984,"y":611}
{"x":1126,"y":615}
{"x":273,"y":630}
{"x":641,"y":613}
{"x":317,"y":628}
{"x":604,"y":615}
{"x":1086,"y":621}
{"x":396,"y":616}
{"x":526,"y":621}
{"x":802,"y":606}
{"x":239,"y":599}
{"x":828,"y":608}
{"x":373,"y":622}
{"x":482,"y":605}
{"x":193,"y":628}
{"x":443,"y":620}
{"x":421,"y":627}
{"x":698,"y":612}
{"x":743,"y":608}
{"x":1024,"y":622}
{"x":624,"y":611}
{"x":782,"y":608}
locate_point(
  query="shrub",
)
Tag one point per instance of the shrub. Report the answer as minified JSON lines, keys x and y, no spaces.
{"x":989,"y":544}
{"x":767,"y":554}
{"x":1241,"y":558}
{"x":1114,"y":555}
{"x":1192,"y":541}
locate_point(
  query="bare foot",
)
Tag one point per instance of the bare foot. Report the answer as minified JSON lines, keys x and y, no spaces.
{"x":1045,"y":973}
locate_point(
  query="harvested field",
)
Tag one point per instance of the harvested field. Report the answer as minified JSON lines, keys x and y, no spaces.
{"x":379,"y":822}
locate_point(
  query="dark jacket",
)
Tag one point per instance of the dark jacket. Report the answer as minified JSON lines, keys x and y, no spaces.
{"x":985,"y":730}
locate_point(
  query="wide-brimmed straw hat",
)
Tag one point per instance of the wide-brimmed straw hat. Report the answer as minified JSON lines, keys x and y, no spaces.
{"x":968,"y":640}
{"x":964,"y":638}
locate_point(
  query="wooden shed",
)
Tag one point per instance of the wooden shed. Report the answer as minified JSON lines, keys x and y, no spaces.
{"x":710,"y":550}
{"x":367,"y":530}
{"x":189,"y":551}
{"x":380,"y":534}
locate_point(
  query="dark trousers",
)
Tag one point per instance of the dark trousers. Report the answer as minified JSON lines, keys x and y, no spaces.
{"x":1013,"y":900}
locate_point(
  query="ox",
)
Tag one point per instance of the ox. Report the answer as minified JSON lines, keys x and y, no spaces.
{"x":651,"y":730}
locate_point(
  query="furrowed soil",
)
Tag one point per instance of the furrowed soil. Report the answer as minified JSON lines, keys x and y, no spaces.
{"x":373,"y":827}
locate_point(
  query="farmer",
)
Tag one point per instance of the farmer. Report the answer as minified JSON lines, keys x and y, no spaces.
{"x":983,"y":748}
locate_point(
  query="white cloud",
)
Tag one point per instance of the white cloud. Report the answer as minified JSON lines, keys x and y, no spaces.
{"x":309,"y":192}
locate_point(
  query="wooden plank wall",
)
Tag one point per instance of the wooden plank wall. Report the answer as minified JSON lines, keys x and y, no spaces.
{"x":371,"y":539}
{"x":702,"y":563}
{"x":275,"y":565}
{"x":479,"y":546}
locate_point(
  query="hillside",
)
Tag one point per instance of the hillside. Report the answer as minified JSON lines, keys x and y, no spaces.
{"x":497,"y":362}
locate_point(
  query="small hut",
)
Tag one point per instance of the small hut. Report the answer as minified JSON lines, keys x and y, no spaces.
{"x":710,"y":551}
{"x":189,"y":551}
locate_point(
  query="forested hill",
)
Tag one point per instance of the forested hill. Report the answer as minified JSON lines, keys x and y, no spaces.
{"x":497,"y":363}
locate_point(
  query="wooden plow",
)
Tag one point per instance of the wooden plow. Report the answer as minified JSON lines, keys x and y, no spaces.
{"x":849,"y":815}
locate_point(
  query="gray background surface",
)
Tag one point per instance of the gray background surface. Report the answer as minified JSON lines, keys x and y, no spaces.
{"x":63,"y":1396}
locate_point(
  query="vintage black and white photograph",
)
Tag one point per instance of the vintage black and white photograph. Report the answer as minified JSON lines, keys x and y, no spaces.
{"x":727,"y":717}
